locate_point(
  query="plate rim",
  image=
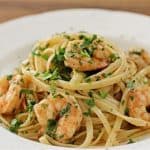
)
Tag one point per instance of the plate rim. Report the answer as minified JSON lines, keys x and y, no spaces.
{"x":73,"y":9}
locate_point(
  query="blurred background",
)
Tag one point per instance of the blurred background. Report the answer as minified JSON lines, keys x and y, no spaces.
{"x":10,"y":9}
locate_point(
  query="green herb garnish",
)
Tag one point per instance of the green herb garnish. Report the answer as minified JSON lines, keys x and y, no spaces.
{"x":87,"y":40}
{"x":132,"y":98}
{"x":52,"y":90}
{"x":67,"y":36}
{"x":130,"y":141}
{"x":87,"y":113}
{"x":58,"y":63}
{"x":59,"y":55}
{"x":136,"y":52}
{"x":105,"y":75}
{"x":122,"y":102}
{"x":65,"y":110}
{"x":90,"y":102}
{"x":109,"y":45}
{"x":51,"y":127}
{"x":88,"y":79}
{"x":90,"y":93}
{"x":130,"y":84}
{"x":36,"y":74}
{"x":67,"y":93}
{"x":30,"y":104}
{"x":44,"y":47}
{"x":103,"y":94}
{"x":145,"y":81}
{"x":113,"y":57}
{"x":85,"y":53}
{"x":26,"y":91}
{"x":41,"y":47}
{"x":94,"y":37}
{"x":51,"y":75}
{"x":14,"y":125}
{"x":127,"y":111}
{"x":44,"y":56}
{"x":9,"y":77}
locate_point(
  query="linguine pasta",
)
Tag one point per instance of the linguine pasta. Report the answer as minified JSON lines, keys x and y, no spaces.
{"x":78,"y":90}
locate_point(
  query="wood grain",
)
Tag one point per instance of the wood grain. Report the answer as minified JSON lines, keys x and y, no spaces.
{"x":10,"y":9}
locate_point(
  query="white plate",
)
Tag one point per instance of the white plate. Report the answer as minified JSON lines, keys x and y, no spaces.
{"x":16,"y":38}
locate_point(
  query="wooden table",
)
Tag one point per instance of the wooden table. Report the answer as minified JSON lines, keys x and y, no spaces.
{"x":10,"y":9}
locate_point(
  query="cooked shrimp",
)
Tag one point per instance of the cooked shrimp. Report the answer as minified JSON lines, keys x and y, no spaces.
{"x":4,"y":84}
{"x":68,"y":121}
{"x":10,"y":91}
{"x":79,"y":59}
{"x":140,"y":57}
{"x":139,"y":103}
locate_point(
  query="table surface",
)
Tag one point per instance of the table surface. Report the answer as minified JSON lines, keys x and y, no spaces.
{"x":10,"y":9}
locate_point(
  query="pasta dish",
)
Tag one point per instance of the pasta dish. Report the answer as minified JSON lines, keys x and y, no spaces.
{"x":78,"y":90}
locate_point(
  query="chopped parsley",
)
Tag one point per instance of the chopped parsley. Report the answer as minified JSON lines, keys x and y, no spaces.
{"x":90,"y":102}
{"x":9,"y":77}
{"x":87,"y":40}
{"x":67,"y":93}
{"x":105,"y":75}
{"x":103,"y":94}
{"x":36,"y":74}
{"x":130,"y":84}
{"x":122,"y":102}
{"x":109,"y":45}
{"x":51,"y":75}
{"x":85,"y":43}
{"x":51,"y":127}
{"x":53,"y":91}
{"x":87,"y":113}
{"x":58,"y":63}
{"x":26,"y":91}
{"x":67,"y":36}
{"x":65,"y":73}
{"x":65,"y":110}
{"x":44,"y":56}
{"x":14,"y":125}
{"x":127,"y":111}
{"x":145,"y":81}
{"x":132,"y":98}
{"x":30,"y":104}
{"x":88,"y":79}
{"x":41,"y":47}
{"x":59,"y":55}
{"x":85,"y":53}
{"x":71,"y":54}
{"x":136,"y":52}
{"x":103,"y":49}
{"x":113,"y":57}
{"x":90,"y":93}
{"x":130,"y":141}
{"x":94,"y":37}
{"x":35,"y":54}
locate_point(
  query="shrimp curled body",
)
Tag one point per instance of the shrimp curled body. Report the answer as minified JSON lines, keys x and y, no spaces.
{"x":77,"y":58}
{"x":139,"y":102}
{"x":67,"y":124}
{"x":10,"y":92}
